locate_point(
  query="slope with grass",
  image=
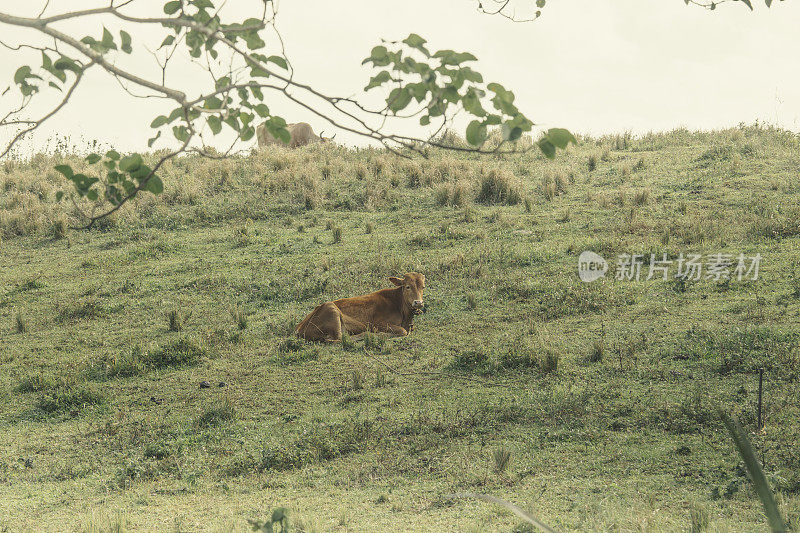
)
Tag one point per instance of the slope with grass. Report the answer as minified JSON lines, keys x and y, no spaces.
{"x":590,"y":405}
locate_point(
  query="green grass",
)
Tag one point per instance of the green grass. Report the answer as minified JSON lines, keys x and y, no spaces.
{"x":590,"y":406}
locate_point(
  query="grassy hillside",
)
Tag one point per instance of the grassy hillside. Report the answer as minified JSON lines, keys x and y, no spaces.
{"x":589,"y":404}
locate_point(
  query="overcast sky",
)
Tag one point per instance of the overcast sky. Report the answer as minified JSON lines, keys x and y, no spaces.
{"x":593,"y":66}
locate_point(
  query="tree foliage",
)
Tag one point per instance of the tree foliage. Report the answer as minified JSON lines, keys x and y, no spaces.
{"x":244,"y":79}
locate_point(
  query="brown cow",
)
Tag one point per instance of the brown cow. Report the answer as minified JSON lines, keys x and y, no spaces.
{"x":389,"y":311}
{"x":300,"y":134}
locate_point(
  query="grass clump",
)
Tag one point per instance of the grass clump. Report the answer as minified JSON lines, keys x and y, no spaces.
{"x":82,"y":309}
{"x":217,"y":414}
{"x":67,"y":398}
{"x":502,"y":457}
{"x":239,"y":317}
{"x":597,"y":351}
{"x":39,"y":382}
{"x":499,"y":187}
{"x":20,"y":324}
{"x":175,"y":320}
{"x":336,"y":232}
{"x":179,"y":353}
{"x":182,"y":352}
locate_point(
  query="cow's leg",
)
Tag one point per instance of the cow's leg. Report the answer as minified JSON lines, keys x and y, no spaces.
{"x":392,"y":329}
{"x":323,"y":324}
{"x":354,"y":328}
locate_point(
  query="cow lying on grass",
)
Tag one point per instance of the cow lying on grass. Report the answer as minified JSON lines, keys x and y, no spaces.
{"x":388,"y":311}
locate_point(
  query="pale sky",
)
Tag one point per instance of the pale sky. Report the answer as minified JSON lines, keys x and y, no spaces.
{"x":593,"y":66}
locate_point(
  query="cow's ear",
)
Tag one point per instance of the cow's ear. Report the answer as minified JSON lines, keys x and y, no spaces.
{"x":396,"y":281}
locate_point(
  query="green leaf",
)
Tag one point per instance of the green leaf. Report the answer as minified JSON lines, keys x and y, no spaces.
{"x":92,"y":195}
{"x":154,"y":185}
{"x":247,"y":133}
{"x":398,"y":99}
{"x":141,"y":172}
{"x":22,"y":73}
{"x":158,"y":121}
{"x":59,"y":196}
{"x":212,"y":102}
{"x":547,"y":148}
{"x":376,"y":81}
{"x":449,"y":57}
{"x":417,"y":42}
{"x":93,"y":158}
{"x":540,"y":3}
{"x":126,"y":42}
{"x":168,"y":41}
{"x":476,"y":133}
{"x":560,"y":137}
{"x":215,"y":124}
{"x":130,"y":163}
{"x":113,"y":155}
{"x":278,"y":60}
{"x":379,"y":56}
{"x":151,"y":141}
{"x":181,"y":133}
{"x":748,"y":4}
{"x":756,"y":473}
{"x":425,"y":120}
{"x":172,"y":7}
{"x":65,"y":63}
{"x":176,"y":113}
{"x":510,"y":133}
{"x":66,"y":170}
{"x":472,"y":103}
{"x":108,"y":40}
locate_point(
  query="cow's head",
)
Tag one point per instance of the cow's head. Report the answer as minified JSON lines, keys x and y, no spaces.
{"x":412,"y":284}
{"x":326,"y":139}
